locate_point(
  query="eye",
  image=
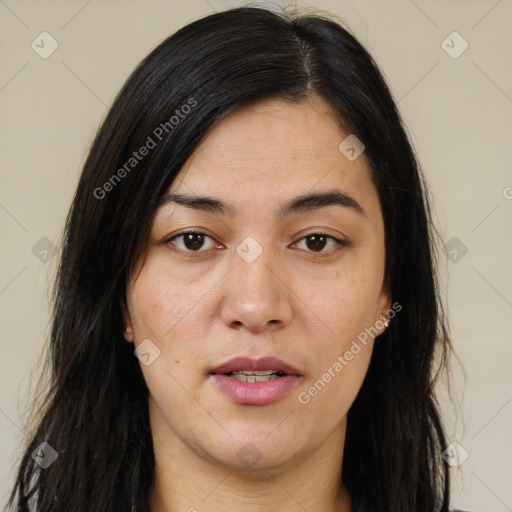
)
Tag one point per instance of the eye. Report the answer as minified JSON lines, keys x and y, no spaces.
{"x":192,"y":241}
{"x":316,"y":242}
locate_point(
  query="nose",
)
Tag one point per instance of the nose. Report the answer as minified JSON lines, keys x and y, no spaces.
{"x":256,"y":296}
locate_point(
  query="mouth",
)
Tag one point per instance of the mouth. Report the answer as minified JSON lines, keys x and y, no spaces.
{"x":263,"y":367}
{"x":248,"y":381}
{"x":257,"y":376}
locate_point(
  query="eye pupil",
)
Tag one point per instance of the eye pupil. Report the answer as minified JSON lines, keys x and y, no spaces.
{"x":193,"y":241}
{"x":318,"y":241}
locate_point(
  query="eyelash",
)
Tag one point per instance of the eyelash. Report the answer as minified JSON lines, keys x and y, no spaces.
{"x":339,"y":243}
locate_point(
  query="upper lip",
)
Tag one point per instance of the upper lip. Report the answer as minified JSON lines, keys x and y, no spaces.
{"x":241,"y":363}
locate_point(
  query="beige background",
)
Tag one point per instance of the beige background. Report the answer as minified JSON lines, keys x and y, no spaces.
{"x":459,"y":115}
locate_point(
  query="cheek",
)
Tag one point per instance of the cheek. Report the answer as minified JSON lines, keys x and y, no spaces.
{"x":341,"y":371}
{"x":344,"y":304}
{"x":346,"y":293}
{"x":347,"y":305}
{"x":173,"y":400}
{"x":161,"y":298}
{"x":164,"y":309}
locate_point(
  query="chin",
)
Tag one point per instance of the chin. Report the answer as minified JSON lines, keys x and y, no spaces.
{"x":253,"y":454}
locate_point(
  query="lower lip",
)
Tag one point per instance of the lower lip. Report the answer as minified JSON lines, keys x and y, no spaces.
{"x":255,"y":393}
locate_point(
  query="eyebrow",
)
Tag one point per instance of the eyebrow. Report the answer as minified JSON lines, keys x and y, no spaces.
{"x":300,"y":204}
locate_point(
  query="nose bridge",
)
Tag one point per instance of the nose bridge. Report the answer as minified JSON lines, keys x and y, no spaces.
{"x":255,"y":297}
{"x":252,"y":261}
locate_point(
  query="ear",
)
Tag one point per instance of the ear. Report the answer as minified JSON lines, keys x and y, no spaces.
{"x":127,"y":323}
{"x":384,"y":308}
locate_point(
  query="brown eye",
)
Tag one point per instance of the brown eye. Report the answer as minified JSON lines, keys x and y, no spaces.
{"x":316,"y":242}
{"x":191,"y":241}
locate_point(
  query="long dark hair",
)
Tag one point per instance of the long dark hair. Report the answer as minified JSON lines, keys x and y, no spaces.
{"x":95,"y":411}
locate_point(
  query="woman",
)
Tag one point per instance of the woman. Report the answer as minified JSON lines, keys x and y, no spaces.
{"x":246,"y":313}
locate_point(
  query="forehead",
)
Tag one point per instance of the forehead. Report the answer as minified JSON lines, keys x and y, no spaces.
{"x":271,"y":149}
{"x":273,"y":132}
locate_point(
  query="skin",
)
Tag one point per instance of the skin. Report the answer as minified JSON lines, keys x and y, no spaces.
{"x":302,"y":303}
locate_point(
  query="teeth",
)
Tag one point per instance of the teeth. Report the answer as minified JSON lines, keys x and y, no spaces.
{"x":255,"y":376}
{"x":260,"y":372}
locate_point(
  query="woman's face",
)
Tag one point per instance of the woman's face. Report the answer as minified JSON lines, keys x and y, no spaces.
{"x":264,"y":278}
